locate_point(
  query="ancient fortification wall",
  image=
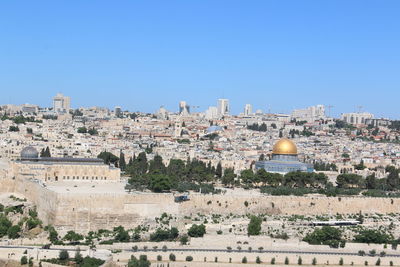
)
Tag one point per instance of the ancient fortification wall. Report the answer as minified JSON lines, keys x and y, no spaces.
{"x":85,"y":212}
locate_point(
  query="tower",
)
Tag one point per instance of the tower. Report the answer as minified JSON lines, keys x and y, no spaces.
{"x":61,"y":103}
{"x":117,"y":111}
{"x":248,"y":109}
{"x":184,"y":108}
{"x":223,"y":107}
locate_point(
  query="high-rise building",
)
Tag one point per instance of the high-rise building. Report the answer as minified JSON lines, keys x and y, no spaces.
{"x":223,"y":107}
{"x":28,"y":108}
{"x":117,"y":111}
{"x":357,"y":118}
{"x":309,"y":114}
{"x":61,"y":103}
{"x":212,"y":113}
{"x":184,"y":108}
{"x":248,"y":109}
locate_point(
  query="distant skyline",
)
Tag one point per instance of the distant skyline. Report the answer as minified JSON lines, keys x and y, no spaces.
{"x":275,"y":55}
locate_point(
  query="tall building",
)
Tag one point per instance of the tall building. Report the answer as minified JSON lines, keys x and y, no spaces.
{"x":117,"y":111}
{"x":309,"y":114}
{"x":28,"y":108}
{"x":211,"y":113}
{"x":223,"y":107}
{"x":248,"y":109}
{"x":184,"y":108}
{"x":357,"y":118}
{"x":61,"y":103}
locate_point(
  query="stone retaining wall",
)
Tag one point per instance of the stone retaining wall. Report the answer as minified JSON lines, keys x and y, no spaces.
{"x":86,"y":212}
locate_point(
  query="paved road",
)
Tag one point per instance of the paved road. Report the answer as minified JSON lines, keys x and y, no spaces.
{"x":220,"y":250}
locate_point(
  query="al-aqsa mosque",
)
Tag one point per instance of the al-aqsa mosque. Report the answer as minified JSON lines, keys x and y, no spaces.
{"x":284,"y":159}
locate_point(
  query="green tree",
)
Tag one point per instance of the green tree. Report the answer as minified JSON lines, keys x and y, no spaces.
{"x":326,"y":235}
{"x":45,"y":153}
{"x":78,"y":257}
{"x":218,"y":171}
{"x":197,"y":230}
{"x":176,"y":168}
{"x":159,"y":183}
{"x":63,"y":255}
{"x":93,"y":131}
{"x":13,"y":232}
{"x":254,"y":227}
{"x":164,"y":234}
{"x":122,"y":162}
{"x":360,"y":166}
{"x":372,"y":236}
{"x":157,"y":166}
{"x":24,"y":260}
{"x":184,"y":239}
{"x":371,"y":182}
{"x":349,"y":180}
{"x":229,"y":177}
{"x":73,"y":237}
{"x":141,"y":262}
{"x":393,"y":179}
{"x":5,"y":224}
{"x":13,"y":128}
{"x":121,"y":235}
{"x":140,"y":164}
{"x":108,"y":158}
{"x":82,"y":130}
{"x":53,"y":235}
{"x":273,"y":179}
{"x":172,"y":257}
{"x":247,"y":177}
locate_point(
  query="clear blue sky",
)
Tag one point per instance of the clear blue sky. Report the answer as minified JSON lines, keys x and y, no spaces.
{"x":276,"y":55}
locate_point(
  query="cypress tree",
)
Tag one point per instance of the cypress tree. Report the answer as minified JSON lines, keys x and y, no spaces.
{"x":122,"y":163}
{"x":218,"y":171}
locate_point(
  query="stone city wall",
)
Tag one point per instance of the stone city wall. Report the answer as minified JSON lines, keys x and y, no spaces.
{"x":86,"y":212}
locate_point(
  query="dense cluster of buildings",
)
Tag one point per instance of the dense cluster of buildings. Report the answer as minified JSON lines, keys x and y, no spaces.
{"x":215,"y":136}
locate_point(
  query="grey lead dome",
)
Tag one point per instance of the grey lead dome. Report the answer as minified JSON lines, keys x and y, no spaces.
{"x":29,"y":153}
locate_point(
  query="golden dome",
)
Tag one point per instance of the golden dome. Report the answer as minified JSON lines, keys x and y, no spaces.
{"x":285,"y":147}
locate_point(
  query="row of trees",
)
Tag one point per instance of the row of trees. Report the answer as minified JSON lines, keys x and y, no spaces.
{"x":20,"y":119}
{"x":45,"y":153}
{"x":257,"y":127}
{"x":192,"y":174}
{"x":322,"y":166}
{"x":305,"y":132}
{"x":390,"y":183}
{"x":158,"y":177}
{"x":332,"y":236}
{"x":292,"y":179}
{"x":91,"y":131}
